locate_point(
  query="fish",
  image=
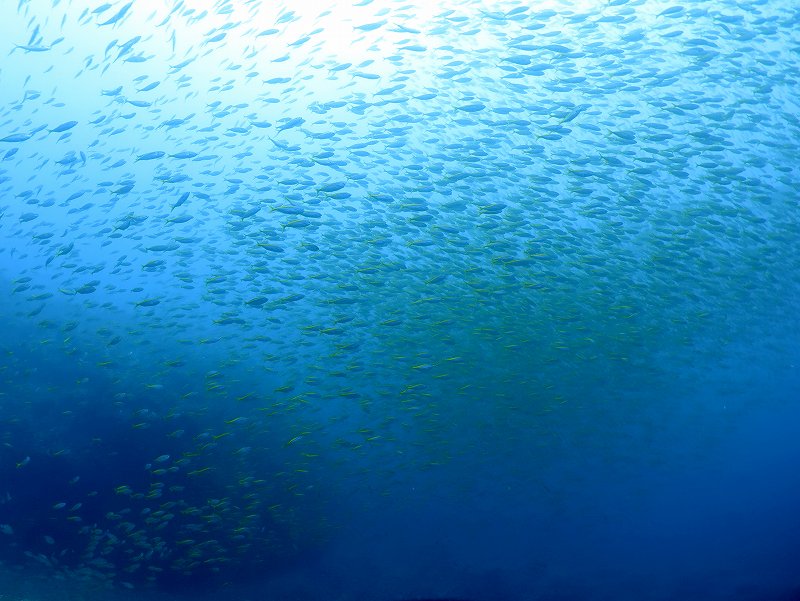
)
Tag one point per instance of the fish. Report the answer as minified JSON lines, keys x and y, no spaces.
{"x":148,"y":302}
{"x":291,"y":123}
{"x":31,"y":48}
{"x":16,"y":138}
{"x":67,"y":125}
{"x":118,"y":16}
{"x":149,"y":156}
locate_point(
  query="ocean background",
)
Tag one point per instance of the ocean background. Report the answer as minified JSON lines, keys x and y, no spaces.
{"x":383,"y":300}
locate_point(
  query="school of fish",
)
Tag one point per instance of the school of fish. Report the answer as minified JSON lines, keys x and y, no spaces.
{"x":268,"y":242}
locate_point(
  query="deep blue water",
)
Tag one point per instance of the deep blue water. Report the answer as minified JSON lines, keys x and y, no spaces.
{"x":400,"y":300}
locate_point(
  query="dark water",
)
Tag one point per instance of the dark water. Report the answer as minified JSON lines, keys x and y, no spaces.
{"x":381,"y":300}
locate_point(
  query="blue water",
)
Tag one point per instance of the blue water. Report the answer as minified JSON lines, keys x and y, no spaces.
{"x":396,"y":300}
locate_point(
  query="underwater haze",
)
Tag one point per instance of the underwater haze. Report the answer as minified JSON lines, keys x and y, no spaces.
{"x":378,"y":300}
